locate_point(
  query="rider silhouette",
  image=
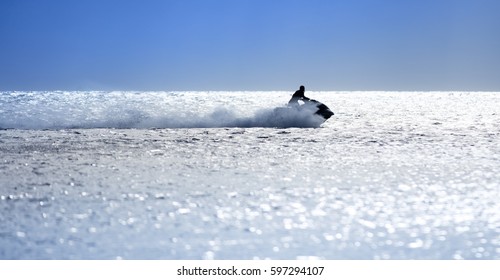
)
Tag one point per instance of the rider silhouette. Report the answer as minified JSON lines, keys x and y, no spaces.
{"x":298,"y":95}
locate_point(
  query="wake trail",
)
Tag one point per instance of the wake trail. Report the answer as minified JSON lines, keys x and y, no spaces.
{"x":143,"y":110}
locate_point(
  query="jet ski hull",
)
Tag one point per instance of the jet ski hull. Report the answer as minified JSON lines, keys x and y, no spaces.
{"x":323,"y":110}
{"x":308,"y":109}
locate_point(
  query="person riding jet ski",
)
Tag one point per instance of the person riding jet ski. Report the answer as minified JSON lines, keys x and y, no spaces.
{"x":298,"y":95}
{"x":319,"y":108}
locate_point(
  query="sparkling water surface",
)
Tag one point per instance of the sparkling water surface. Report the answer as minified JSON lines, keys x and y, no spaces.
{"x":205,"y":175}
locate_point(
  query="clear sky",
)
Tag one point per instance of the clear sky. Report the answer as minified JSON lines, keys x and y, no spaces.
{"x":249,"y":44}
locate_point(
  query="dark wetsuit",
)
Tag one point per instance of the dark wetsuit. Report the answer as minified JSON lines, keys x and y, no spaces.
{"x":298,"y":95}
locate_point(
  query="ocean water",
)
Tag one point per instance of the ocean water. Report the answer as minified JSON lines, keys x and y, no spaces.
{"x":218,"y":175}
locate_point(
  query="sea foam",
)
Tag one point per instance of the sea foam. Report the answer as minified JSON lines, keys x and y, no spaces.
{"x":62,"y":110}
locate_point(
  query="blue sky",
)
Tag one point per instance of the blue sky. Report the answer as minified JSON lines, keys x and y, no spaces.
{"x":249,"y":44}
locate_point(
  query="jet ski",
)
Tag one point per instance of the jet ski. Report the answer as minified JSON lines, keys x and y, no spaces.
{"x":313,"y":106}
{"x":311,"y":113}
{"x":322,"y":109}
